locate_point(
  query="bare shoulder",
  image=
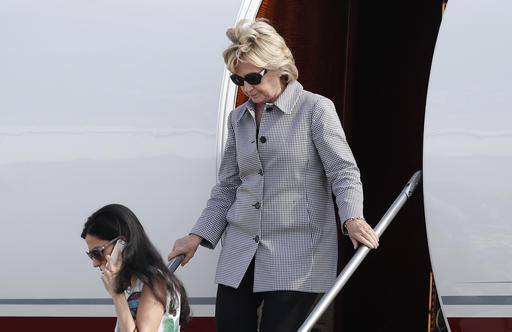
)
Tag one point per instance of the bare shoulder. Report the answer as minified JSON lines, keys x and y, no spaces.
{"x":159,"y":291}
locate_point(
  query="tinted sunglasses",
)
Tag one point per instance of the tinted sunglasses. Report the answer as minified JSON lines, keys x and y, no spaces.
{"x":251,"y":78}
{"x":97,"y":253}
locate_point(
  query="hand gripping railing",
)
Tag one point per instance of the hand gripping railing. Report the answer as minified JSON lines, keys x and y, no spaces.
{"x":360,"y":254}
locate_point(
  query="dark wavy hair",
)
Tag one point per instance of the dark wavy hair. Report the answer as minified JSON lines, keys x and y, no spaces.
{"x":140,"y":257}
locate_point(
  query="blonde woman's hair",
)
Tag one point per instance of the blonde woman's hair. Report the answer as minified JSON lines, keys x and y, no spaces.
{"x":258,"y":43}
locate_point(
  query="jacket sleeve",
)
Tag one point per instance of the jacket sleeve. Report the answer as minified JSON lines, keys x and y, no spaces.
{"x":339,"y":163}
{"x":212,"y":222}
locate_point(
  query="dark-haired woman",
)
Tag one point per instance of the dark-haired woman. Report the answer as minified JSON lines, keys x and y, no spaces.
{"x":146,"y":295}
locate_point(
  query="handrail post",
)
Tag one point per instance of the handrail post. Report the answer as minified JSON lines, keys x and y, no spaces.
{"x":360,"y":254}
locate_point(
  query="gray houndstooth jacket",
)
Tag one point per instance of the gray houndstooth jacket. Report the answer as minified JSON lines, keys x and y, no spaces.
{"x":273,"y":199}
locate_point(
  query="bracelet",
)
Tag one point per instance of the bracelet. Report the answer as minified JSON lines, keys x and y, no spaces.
{"x":349,"y":220}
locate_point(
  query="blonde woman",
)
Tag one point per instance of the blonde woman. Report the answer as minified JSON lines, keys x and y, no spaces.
{"x":285,"y":155}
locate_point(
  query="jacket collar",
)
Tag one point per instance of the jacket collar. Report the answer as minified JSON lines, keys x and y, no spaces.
{"x":285,"y":102}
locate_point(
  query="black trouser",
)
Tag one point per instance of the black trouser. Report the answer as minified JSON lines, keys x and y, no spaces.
{"x":283,"y":311}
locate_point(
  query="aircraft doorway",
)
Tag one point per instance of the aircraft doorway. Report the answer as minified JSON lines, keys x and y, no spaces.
{"x":373,"y":60}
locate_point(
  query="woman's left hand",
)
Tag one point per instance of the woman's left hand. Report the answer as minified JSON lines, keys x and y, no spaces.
{"x":109,"y":273}
{"x":360,"y":232}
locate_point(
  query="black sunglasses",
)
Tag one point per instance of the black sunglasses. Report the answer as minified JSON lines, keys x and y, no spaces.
{"x":97,"y":253}
{"x":251,"y":78}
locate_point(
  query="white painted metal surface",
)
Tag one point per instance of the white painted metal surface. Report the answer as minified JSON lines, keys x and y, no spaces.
{"x":249,"y":9}
{"x":100,"y":102}
{"x":468,"y":160}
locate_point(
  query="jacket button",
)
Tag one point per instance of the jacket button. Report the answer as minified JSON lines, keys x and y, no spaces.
{"x":257,"y":239}
{"x":263,"y":139}
{"x":257,"y":205}
{"x":260,"y":172}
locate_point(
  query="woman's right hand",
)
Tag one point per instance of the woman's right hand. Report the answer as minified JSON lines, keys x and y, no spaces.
{"x":109,"y":272}
{"x":186,"y":245}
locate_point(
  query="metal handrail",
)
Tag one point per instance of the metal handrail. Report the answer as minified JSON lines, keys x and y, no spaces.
{"x":360,"y":254}
{"x":173,"y":264}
